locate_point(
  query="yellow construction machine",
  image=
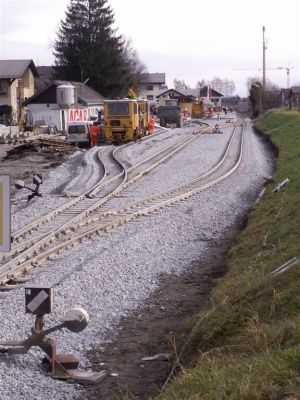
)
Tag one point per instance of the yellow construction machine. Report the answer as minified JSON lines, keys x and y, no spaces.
{"x":198,"y":109}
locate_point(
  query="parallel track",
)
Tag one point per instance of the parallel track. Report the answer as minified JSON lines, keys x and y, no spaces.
{"x":97,"y":222}
{"x":48,"y":228}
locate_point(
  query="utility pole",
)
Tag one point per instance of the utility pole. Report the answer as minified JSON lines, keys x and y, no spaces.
{"x":264,"y":61}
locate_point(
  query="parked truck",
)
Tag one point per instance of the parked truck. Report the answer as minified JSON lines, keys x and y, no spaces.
{"x":170,"y":113}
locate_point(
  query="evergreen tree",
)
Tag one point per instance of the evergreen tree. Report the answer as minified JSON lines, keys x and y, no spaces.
{"x":87,"y":46}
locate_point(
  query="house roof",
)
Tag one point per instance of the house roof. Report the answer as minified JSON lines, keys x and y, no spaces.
{"x":86,"y":95}
{"x":159,"y":78}
{"x":170,"y":90}
{"x":14,"y":69}
{"x":46,"y":76}
{"x":295,"y":89}
{"x":198,"y":92}
{"x":213,"y":92}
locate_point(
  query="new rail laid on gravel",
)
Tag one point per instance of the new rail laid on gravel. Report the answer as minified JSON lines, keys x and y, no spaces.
{"x":112,"y":274}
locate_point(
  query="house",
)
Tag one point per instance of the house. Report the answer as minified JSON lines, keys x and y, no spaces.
{"x":150,"y":85}
{"x":294,"y":96}
{"x":211,"y":96}
{"x":285,"y":94}
{"x":47,"y":74}
{"x":186,"y":97}
{"x":16,"y":85}
{"x":62,"y":102}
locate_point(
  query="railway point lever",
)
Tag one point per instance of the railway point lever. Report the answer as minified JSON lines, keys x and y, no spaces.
{"x":39,"y":301}
{"x":37,"y":181}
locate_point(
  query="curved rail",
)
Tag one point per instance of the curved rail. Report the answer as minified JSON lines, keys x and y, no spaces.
{"x":11,"y":270}
{"x":88,"y":205}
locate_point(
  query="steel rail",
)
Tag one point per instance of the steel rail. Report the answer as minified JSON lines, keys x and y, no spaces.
{"x":49,"y":216}
{"x":36,"y":243}
{"x":7,"y":273}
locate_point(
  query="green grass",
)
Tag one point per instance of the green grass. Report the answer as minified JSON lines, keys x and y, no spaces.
{"x":247,"y":345}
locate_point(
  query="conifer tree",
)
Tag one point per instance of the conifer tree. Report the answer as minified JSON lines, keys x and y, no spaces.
{"x":87,"y":46}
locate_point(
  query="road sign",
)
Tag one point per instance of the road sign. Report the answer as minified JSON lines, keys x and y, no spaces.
{"x":5,"y":230}
{"x":38,"y":300}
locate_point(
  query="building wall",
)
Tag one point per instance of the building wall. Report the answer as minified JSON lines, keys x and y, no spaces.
{"x":4,"y":92}
{"x":17,"y":92}
{"x":162,"y":99}
{"x":54,"y":116}
{"x":27,"y":84}
{"x":149,"y":91}
{"x":34,"y":107}
{"x":48,"y":117}
{"x":13,"y":99}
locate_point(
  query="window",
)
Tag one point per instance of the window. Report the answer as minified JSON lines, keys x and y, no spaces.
{"x":150,"y":97}
{"x":73,"y":129}
{"x":3,"y":87}
{"x":118,"y":109}
{"x":149,"y":87}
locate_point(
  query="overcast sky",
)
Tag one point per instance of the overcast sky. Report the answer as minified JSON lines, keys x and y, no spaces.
{"x":189,"y":40}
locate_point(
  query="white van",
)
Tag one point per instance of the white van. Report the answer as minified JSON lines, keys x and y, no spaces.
{"x":78,"y":132}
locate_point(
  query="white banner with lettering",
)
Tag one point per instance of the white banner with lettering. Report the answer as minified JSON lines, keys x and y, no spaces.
{"x":78,"y":114}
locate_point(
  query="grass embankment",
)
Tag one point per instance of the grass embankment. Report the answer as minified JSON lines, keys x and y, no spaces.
{"x":247,"y":343}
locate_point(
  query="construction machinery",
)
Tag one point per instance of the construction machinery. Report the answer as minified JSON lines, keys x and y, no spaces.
{"x":126,"y":119}
{"x":198,"y":109}
{"x":170,"y":113}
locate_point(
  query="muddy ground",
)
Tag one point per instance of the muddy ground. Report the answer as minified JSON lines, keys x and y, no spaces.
{"x":152,"y":329}
{"x":22,"y":161}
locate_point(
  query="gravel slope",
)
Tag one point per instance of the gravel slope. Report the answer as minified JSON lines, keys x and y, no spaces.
{"x":111,"y":275}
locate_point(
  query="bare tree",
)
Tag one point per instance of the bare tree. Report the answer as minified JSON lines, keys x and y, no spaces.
{"x":180,"y":84}
{"x":201,"y":83}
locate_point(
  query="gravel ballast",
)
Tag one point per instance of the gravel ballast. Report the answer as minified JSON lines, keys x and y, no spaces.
{"x":113,"y":274}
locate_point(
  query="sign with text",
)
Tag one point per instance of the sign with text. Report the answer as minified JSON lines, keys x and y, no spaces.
{"x":78,"y":114}
{"x":5,"y":233}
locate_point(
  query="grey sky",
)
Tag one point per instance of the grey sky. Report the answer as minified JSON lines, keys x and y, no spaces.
{"x":191,"y":41}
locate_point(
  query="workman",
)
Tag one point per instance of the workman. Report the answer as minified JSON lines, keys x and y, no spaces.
{"x":94,"y":133}
{"x":151,"y":124}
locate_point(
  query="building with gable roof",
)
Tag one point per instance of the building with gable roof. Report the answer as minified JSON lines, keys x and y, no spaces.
{"x":16,"y":85}
{"x":150,"y":85}
{"x":294,"y":96}
{"x":186,"y":97}
{"x":45,"y":108}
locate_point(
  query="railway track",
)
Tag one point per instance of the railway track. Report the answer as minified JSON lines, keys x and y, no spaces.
{"x":36,"y":237}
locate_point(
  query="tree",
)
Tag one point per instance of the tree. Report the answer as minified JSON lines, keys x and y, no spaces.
{"x":223,"y":86}
{"x":88,"y":47}
{"x":260,"y":99}
{"x":201,"y":83}
{"x":180,"y":84}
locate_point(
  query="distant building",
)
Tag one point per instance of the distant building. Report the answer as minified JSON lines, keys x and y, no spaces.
{"x":285,"y":94}
{"x":150,"y":85}
{"x":294,"y":96}
{"x":83,"y":102}
{"x":243,"y":106}
{"x":210,"y":95}
{"x":46,"y":76}
{"x":186,"y":97}
{"x":16,"y":85}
